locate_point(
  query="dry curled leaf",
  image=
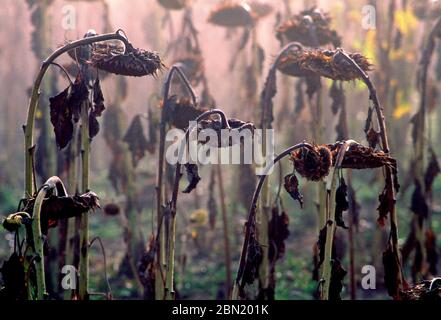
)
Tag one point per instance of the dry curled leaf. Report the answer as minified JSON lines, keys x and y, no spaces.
{"x":418,"y":203}
{"x":337,"y":95}
{"x":254,"y":258}
{"x":291,"y":186}
{"x":193,"y":177}
{"x":337,"y":276}
{"x":432,"y":171}
{"x":65,"y":108}
{"x":147,"y":269}
{"x":136,"y":140}
{"x":341,"y":203}
{"x":391,"y":271}
{"x":432,"y":251}
{"x":278,"y":232}
{"x":385,"y":207}
{"x":13,"y":275}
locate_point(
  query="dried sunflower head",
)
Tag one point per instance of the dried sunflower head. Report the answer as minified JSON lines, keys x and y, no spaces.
{"x":181,"y":111}
{"x":362,"y":157}
{"x":131,"y":62}
{"x":310,"y":27}
{"x":192,"y":65}
{"x":312,"y":163}
{"x":331,"y":64}
{"x":260,"y":8}
{"x":231,"y":13}
{"x":289,"y":64}
{"x":426,"y":9}
{"x":173,"y":4}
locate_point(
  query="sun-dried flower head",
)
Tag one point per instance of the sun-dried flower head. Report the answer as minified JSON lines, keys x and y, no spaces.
{"x":181,"y":111}
{"x":361,"y":157}
{"x":192,"y":65}
{"x":289,"y":64}
{"x":331,"y":64}
{"x":313,"y":164}
{"x":173,"y":4}
{"x":426,"y":9}
{"x":231,"y":13}
{"x":131,"y":62}
{"x":261,"y":8}
{"x":310,"y":27}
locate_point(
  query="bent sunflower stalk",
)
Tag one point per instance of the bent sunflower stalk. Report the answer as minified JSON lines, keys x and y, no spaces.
{"x":390,"y":176}
{"x":169,"y":291}
{"x":160,"y":283}
{"x":53,"y":184}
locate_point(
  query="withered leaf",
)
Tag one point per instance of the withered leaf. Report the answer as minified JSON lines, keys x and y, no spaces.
{"x":192,"y":177}
{"x":79,"y":93}
{"x":432,"y":171}
{"x":146,"y":269}
{"x":432,"y":252}
{"x":136,"y":140}
{"x":373,"y":137}
{"x":341,"y":203}
{"x":98,"y":99}
{"x":320,"y":252}
{"x":13,"y":274}
{"x":391,"y":271}
{"x":385,"y":207}
{"x":254,"y":258}
{"x":94,"y":125}
{"x":418,"y":203}
{"x":337,"y":276}
{"x":291,"y":186}
{"x":337,"y":95}
{"x":61,"y":118}
{"x":278,"y":232}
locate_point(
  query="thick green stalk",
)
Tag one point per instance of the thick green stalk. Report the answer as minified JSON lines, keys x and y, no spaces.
{"x":331,"y":188}
{"x":53,"y":184}
{"x":225,"y":230}
{"x":84,"y":225}
{"x":161,"y":258}
{"x":169,"y":291}
{"x":38,"y":243}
